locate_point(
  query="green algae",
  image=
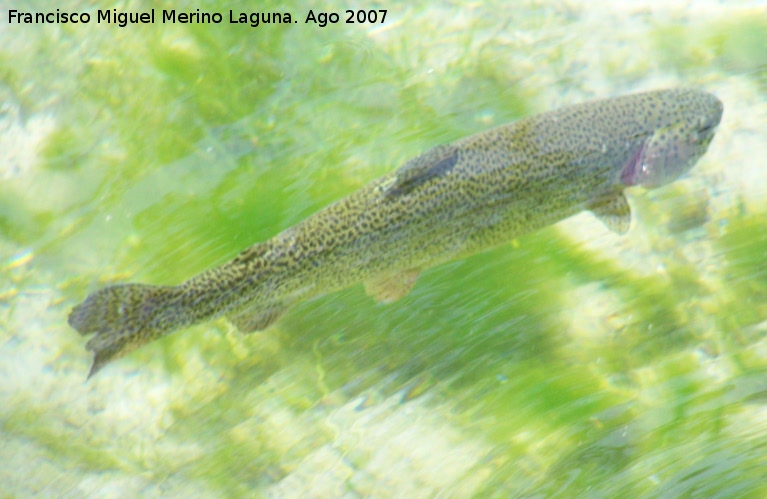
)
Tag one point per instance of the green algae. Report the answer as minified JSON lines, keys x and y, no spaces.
{"x":35,"y":424}
{"x":737,"y":44}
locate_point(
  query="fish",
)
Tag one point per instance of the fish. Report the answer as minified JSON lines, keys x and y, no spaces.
{"x":452,"y":201}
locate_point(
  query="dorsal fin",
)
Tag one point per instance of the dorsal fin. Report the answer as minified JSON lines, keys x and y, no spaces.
{"x":433,"y":163}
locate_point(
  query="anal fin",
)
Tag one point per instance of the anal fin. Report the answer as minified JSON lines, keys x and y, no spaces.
{"x":391,"y":286}
{"x":255,"y":318}
{"x":614,"y":212}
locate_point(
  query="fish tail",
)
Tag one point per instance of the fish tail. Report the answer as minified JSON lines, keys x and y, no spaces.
{"x":126,"y":317}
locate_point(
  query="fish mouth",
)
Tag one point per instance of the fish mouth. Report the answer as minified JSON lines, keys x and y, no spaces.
{"x":711,"y":122}
{"x":708,"y":128}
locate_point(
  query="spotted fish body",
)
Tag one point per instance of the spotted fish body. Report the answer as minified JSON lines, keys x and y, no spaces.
{"x":452,"y":201}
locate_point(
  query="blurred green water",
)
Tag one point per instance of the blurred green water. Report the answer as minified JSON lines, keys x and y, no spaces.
{"x":564,"y":369}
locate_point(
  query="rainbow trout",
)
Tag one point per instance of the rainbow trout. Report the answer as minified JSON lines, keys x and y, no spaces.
{"x":452,"y":201}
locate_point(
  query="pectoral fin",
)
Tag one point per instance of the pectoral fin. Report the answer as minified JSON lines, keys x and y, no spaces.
{"x":614,"y":212}
{"x":390,"y":287}
{"x":256,"y":318}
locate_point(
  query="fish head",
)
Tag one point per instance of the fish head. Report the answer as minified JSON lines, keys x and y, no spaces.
{"x":684,"y":127}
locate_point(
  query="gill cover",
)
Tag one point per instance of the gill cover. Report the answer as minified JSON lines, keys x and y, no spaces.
{"x":669,"y":152}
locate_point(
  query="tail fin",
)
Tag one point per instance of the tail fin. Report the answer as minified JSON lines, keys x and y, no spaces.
{"x":126,"y":317}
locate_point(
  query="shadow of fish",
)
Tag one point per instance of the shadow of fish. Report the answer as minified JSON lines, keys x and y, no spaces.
{"x":452,"y":201}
